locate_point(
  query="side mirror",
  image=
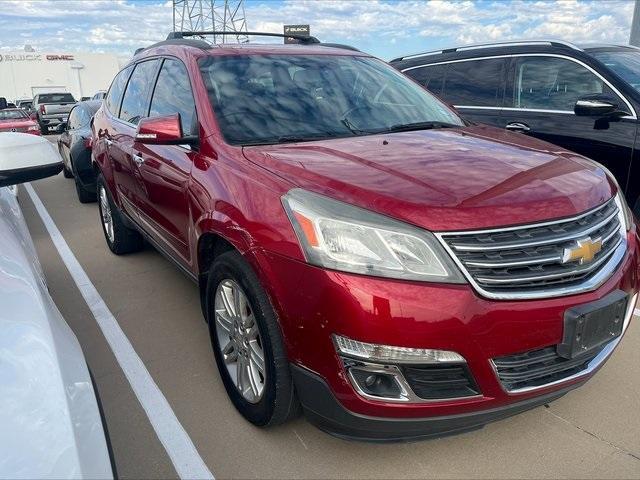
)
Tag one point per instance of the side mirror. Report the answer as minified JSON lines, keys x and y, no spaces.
{"x":599,"y":106}
{"x":25,"y":158}
{"x":165,"y":130}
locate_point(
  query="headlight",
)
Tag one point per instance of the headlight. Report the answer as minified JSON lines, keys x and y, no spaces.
{"x":32,"y":128}
{"x":624,"y":213}
{"x":342,"y":237}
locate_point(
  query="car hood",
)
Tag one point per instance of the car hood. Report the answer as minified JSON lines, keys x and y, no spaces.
{"x":51,"y":425}
{"x":6,"y":124}
{"x":445,"y":179}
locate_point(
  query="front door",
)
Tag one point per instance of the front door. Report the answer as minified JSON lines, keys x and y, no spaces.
{"x":541,"y":95}
{"x":164,"y":170}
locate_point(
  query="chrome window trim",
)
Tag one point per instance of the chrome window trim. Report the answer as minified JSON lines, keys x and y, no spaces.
{"x":587,"y":286}
{"x":553,"y":55}
{"x":593,"y":365}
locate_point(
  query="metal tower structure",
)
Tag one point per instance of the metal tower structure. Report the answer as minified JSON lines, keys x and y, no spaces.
{"x":211,"y":15}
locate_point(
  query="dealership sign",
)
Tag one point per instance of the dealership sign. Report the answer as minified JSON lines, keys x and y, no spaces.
{"x":33,"y":57}
{"x":299,"y":30}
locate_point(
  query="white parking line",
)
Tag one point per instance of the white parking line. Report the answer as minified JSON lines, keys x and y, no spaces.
{"x":172,"y":435}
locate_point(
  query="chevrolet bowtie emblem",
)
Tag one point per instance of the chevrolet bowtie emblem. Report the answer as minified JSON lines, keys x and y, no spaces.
{"x":585,"y":250}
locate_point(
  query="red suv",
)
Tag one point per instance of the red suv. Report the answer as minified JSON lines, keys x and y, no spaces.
{"x":362,"y":251}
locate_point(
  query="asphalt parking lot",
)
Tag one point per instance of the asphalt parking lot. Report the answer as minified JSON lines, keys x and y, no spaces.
{"x":590,"y":433}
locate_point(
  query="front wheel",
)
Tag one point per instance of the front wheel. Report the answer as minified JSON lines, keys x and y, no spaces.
{"x":120,"y":238}
{"x":247,"y":343}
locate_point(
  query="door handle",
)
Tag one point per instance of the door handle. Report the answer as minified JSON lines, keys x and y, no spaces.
{"x":138,"y":159}
{"x":517,"y":127}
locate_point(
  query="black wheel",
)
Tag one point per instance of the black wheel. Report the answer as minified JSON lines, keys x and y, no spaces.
{"x":84,"y":195}
{"x":247,"y":343}
{"x":43,"y":128}
{"x":66,"y":172}
{"x":120,"y":238}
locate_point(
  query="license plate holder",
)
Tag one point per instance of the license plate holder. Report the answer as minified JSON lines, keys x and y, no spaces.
{"x":590,"y":326}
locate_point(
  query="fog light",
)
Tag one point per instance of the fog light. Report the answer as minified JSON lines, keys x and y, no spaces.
{"x":376,"y":384}
{"x":389,"y":354}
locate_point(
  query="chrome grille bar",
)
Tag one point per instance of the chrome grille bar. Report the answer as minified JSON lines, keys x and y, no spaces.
{"x":527,"y":261}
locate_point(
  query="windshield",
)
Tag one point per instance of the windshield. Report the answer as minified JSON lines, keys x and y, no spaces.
{"x":275,"y":99}
{"x":12,"y":115}
{"x":625,"y":64}
{"x":56,"y":98}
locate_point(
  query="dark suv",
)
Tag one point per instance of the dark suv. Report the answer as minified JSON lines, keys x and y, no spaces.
{"x":583,"y":99}
{"x":361,"y":250}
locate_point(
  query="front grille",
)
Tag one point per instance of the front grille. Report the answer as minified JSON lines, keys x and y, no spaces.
{"x":538,"y":367}
{"x":510,"y":262}
{"x":440,"y":382}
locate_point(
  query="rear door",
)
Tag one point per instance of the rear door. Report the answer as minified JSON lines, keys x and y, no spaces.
{"x":164,"y":170}
{"x":541,"y":95}
{"x":135,"y":105}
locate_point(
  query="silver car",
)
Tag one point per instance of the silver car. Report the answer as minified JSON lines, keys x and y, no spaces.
{"x":50,"y":422}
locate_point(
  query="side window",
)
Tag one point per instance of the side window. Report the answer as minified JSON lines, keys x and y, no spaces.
{"x":173,"y":95}
{"x":114,"y":96}
{"x":432,"y":78}
{"x":551,"y":83}
{"x":136,"y":96}
{"x":475,"y":83}
{"x":72,"y":122}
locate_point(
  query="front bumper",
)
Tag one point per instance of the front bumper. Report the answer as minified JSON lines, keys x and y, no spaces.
{"x":323,"y":410}
{"x":313,"y":304}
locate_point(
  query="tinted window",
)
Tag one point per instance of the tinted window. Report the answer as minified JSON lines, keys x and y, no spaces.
{"x":56,"y":98}
{"x":173,"y":95}
{"x":551,"y":83}
{"x":275,"y":99}
{"x":625,"y":63}
{"x":431,"y":78}
{"x":476,"y":82}
{"x":115,"y":92}
{"x":135,"y":100}
{"x":80,"y":117}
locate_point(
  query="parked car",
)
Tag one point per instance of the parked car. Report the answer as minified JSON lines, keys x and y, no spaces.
{"x":99,"y":95}
{"x":74,"y":144}
{"x":359,"y":248}
{"x":25,"y":104}
{"x":582,"y":99}
{"x":52,"y":109}
{"x":51,"y":421}
{"x":16,"y":120}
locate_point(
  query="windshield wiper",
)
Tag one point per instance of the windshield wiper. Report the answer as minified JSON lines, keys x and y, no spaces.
{"x":406,"y":127}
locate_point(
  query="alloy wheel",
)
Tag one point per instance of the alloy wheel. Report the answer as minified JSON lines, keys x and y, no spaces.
{"x":239,"y":340}
{"x":105,"y":213}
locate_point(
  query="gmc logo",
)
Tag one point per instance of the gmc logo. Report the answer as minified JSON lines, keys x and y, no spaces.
{"x":59,"y":57}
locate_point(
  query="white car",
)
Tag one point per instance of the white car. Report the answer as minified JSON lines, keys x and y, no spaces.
{"x":50,"y":422}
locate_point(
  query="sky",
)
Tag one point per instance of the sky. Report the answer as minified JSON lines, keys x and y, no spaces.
{"x":384,"y":28}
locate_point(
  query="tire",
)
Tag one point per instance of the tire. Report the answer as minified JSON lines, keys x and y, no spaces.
{"x":43,"y":128}
{"x":122,"y":239}
{"x":84,"y":195}
{"x":66,"y":172}
{"x":277,"y":402}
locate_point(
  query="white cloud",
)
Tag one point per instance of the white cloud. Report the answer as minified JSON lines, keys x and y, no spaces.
{"x":121,"y":26}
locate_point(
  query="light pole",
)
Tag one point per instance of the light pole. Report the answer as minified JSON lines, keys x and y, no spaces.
{"x":635,"y":26}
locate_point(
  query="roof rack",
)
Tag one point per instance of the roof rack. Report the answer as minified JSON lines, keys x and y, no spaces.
{"x":303,"y":39}
{"x":551,"y":43}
